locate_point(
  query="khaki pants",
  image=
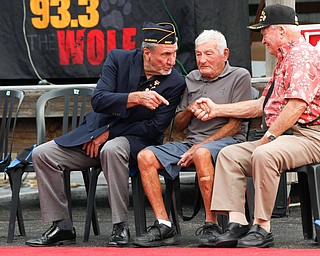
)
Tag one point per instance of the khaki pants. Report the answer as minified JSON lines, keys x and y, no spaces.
{"x":265,"y":164}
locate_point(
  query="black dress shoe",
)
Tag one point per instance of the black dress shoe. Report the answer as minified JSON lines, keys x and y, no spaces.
{"x":208,"y":234}
{"x":158,"y":235}
{"x":54,"y":236}
{"x":257,"y":237}
{"x":230,"y":238}
{"x":120,"y":235}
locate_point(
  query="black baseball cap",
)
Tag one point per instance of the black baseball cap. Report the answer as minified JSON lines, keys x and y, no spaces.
{"x":158,"y":33}
{"x":274,"y":15}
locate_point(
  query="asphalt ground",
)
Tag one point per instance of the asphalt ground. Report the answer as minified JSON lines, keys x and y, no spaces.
{"x":286,"y":230}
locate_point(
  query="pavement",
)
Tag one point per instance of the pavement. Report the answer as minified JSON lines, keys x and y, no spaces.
{"x":286,"y":230}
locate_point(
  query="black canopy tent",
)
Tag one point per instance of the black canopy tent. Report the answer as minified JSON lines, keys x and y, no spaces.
{"x":71,"y":41}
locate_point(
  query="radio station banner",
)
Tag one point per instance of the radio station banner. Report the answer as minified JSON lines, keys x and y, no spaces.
{"x":312,"y":34}
{"x":72,"y":38}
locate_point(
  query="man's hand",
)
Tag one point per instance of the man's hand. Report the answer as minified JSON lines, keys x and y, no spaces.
{"x":204,"y":109}
{"x":187,"y":158}
{"x":263,"y":140}
{"x":150,"y":99}
{"x":92,"y":147}
{"x":193,"y":105}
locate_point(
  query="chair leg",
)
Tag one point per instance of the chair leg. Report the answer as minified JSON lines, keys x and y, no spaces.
{"x":86,"y":179}
{"x":138,"y":197}
{"x":90,"y":212}
{"x":68,"y":190}
{"x":248,"y":210}
{"x":223,"y":221}
{"x":249,"y":199}
{"x":305,"y":204}
{"x":170,"y":200}
{"x":15,"y":177}
{"x":22,"y":230}
{"x":313,"y":173}
{"x":174,"y":213}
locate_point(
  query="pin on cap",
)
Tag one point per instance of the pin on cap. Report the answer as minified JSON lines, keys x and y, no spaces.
{"x":275,"y":15}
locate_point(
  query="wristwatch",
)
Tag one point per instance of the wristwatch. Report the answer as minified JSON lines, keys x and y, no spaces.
{"x":270,"y":136}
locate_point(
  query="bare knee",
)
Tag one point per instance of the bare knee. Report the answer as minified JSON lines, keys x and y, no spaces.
{"x":147,"y":159}
{"x":145,"y":155}
{"x":204,"y":166}
{"x":202,"y":154}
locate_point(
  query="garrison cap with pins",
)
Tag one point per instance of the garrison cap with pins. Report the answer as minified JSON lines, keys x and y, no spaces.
{"x":158,"y":33}
{"x":274,"y":15}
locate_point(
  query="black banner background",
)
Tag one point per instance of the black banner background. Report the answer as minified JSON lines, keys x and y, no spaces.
{"x":66,"y":47}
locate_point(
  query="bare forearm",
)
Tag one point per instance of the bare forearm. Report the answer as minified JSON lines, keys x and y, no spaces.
{"x":244,"y":109}
{"x":206,"y":109}
{"x":182,"y":120}
{"x":288,"y":117}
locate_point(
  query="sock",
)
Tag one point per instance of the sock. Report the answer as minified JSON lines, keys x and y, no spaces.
{"x":238,"y":217}
{"x":263,"y":223}
{"x":165,"y":222}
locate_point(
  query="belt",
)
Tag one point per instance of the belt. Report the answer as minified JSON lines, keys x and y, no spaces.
{"x":286,"y":132}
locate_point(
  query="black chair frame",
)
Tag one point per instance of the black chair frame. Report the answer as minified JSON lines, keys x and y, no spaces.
{"x":10,"y":103}
{"x":74,"y":110}
{"x":138,"y":198}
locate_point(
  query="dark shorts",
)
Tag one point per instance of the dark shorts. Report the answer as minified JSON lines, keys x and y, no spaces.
{"x":170,"y":153}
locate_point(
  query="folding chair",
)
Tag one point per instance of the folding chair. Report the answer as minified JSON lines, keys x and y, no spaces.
{"x":10,"y":102}
{"x":309,"y":193}
{"x":74,"y":102}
